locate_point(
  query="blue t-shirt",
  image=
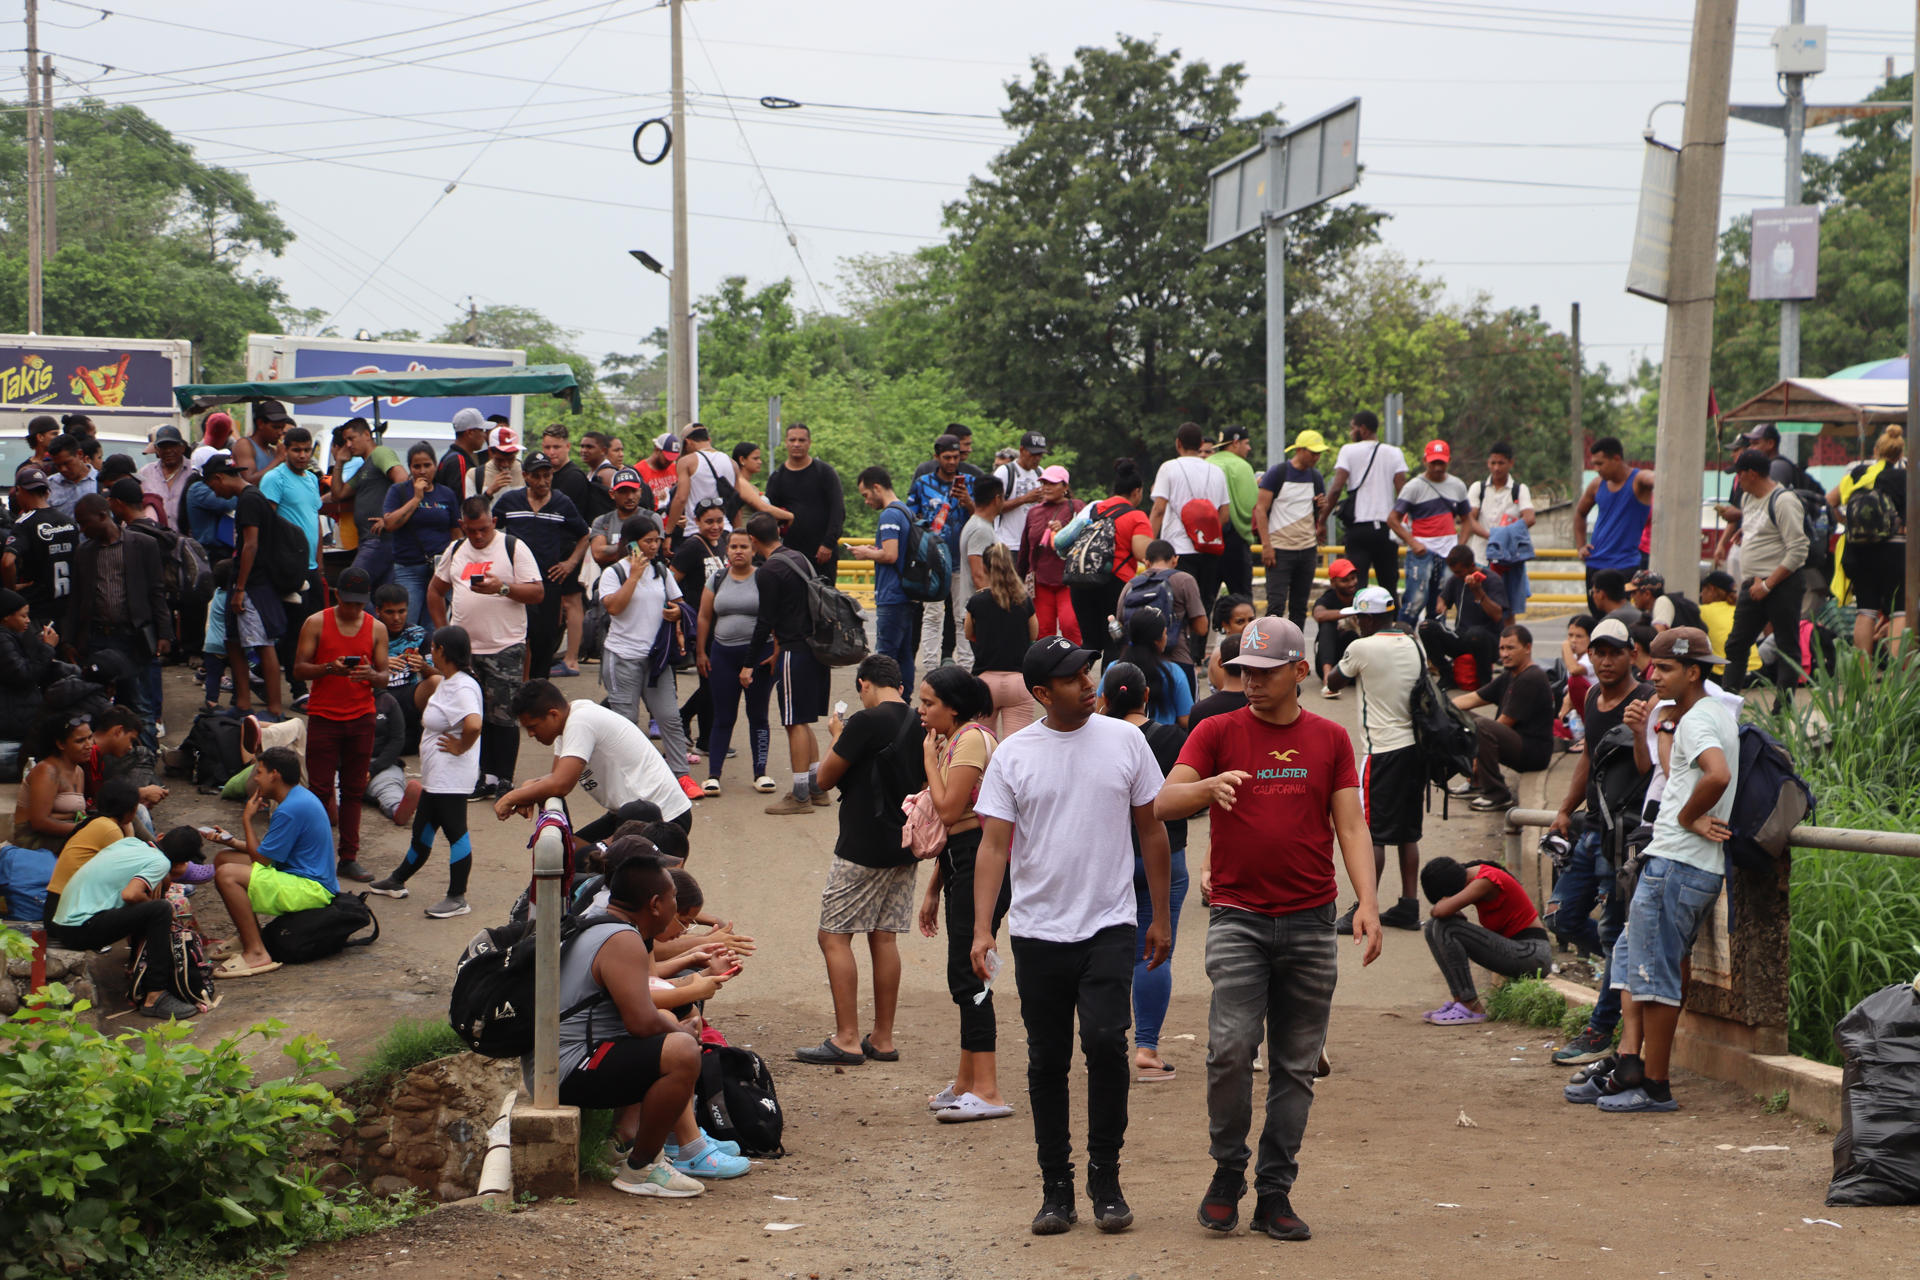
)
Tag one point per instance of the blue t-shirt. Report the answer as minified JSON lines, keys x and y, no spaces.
{"x":428,"y":530}
{"x":1168,"y":704}
{"x":928,"y":494}
{"x":300,"y":839}
{"x":886,"y":577}
{"x":297,"y":494}
{"x":209,"y":516}
{"x":23,"y":880}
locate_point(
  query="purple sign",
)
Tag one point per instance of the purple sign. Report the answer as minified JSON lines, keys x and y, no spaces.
{"x":1786,"y":253}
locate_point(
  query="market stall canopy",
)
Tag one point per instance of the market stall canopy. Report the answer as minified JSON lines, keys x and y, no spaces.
{"x":555,"y":380}
{"x":1842,"y":406}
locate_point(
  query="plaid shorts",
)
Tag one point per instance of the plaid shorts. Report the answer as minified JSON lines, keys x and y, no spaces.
{"x":500,"y":675}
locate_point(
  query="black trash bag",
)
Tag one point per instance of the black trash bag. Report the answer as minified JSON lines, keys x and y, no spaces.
{"x":1876,"y":1157}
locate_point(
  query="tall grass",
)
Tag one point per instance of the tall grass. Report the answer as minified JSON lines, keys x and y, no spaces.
{"x":1855,"y":916}
{"x":409,"y":1043}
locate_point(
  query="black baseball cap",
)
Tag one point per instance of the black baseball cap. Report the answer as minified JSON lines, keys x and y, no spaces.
{"x":1765,"y":431}
{"x":220,"y":464}
{"x":1033,"y":442}
{"x":354,"y":587}
{"x":1230,"y":434}
{"x":1719,"y":578}
{"x":535,"y":461}
{"x":946,"y":444}
{"x":500,"y":419}
{"x":30,"y":477}
{"x":1052,"y":658}
{"x":270,"y":411}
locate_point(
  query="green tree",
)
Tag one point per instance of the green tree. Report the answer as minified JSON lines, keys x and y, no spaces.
{"x":152,"y":242}
{"x":1082,"y":300}
{"x":510,"y":327}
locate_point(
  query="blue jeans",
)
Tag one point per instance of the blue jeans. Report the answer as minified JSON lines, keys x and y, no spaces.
{"x":1576,"y":890}
{"x":893,"y":636}
{"x":1423,"y":585}
{"x":1671,"y":903}
{"x":414,"y":578}
{"x":1153,"y":988}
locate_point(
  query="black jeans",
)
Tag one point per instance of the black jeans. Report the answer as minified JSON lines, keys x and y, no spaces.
{"x":298,"y":610}
{"x":1056,"y":980}
{"x":1093,"y":606}
{"x":1501,"y":744}
{"x":1205,"y":570}
{"x":149,"y":922}
{"x":1442,"y":642}
{"x":1370,"y":544}
{"x":1290,"y":583}
{"x":545,"y":630}
{"x":977,"y":1024}
{"x":1781,"y":607}
{"x":1236,"y":564}
{"x":1330,"y":644}
{"x":606,"y":824}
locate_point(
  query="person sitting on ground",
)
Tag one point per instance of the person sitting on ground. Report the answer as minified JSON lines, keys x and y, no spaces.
{"x":1608,"y":596}
{"x":407,"y":660}
{"x":450,"y":724}
{"x":1509,"y":939}
{"x":117,"y":753}
{"x":1334,"y":627}
{"x":1385,"y":661}
{"x":606,"y":754}
{"x":1580,"y":678}
{"x":669,"y":838}
{"x":52,"y":803}
{"x":1718,"y":592}
{"x":108,"y":819}
{"x":389,"y":789}
{"x":1520,"y":735}
{"x":122,"y":893}
{"x":292,"y":869}
{"x":1231,"y":614}
{"x":1171,"y":698}
{"x":869,"y":886}
{"x":1479,"y":601}
{"x":634,"y":1057}
{"x":1229,"y":686}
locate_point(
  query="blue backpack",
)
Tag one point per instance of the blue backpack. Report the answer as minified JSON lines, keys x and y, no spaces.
{"x":1769,"y":801}
{"x":1152,"y":590}
{"x":925,"y":564}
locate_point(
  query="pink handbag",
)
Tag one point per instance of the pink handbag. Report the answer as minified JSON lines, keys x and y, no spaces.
{"x":924,"y":834}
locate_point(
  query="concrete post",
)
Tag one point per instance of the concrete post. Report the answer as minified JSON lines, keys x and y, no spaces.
{"x":546,"y":1135}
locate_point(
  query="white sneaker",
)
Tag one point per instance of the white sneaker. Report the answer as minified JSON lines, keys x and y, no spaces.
{"x":658,"y":1179}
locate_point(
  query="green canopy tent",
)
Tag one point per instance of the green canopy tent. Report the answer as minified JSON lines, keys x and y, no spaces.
{"x":554,"y":380}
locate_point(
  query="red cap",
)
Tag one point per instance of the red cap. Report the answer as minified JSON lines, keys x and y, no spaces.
{"x":503,"y":439}
{"x":1438,"y":449}
{"x":1340,"y":568}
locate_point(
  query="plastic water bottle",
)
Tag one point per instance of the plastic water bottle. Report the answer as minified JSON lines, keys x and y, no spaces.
{"x":1576,"y":726}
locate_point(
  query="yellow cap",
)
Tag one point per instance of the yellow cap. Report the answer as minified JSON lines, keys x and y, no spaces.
{"x":1309,"y":440}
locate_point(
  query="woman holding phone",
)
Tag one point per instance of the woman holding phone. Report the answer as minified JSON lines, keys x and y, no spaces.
{"x":643,"y":605}
{"x":729,"y":606}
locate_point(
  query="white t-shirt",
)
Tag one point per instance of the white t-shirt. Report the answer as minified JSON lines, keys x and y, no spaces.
{"x":1012,"y":523}
{"x":1387,"y":666}
{"x":443,"y":774}
{"x":1710,"y":724}
{"x":1181,"y":480}
{"x":1657,"y":780}
{"x":493,"y":622}
{"x":1374,"y":499}
{"x":711,"y":470}
{"x":631,"y":632}
{"x":1070,"y":798}
{"x":621,"y":765}
{"x":1491,"y":505}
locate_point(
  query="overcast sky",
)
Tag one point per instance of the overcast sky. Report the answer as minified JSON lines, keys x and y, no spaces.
{"x":1504,"y":138}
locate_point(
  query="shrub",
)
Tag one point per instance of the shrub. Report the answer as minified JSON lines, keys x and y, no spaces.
{"x":409,"y":1043}
{"x":111,"y":1145}
{"x":1529,"y":1001}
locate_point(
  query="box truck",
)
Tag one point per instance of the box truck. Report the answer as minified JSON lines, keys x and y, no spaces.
{"x":124,"y":384}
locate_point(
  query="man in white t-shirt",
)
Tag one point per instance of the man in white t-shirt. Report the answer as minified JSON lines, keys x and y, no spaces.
{"x":605,"y":755}
{"x":1374,"y":471}
{"x":1058,"y":801}
{"x":1186,"y":478}
{"x":1020,"y":482}
{"x":1496,"y":500}
{"x":484,"y":583}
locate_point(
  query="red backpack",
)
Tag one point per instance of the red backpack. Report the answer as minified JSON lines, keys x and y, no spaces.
{"x":1201,"y":519}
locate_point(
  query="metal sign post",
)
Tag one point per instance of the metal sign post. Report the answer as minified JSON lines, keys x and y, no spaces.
{"x":1292,"y":169}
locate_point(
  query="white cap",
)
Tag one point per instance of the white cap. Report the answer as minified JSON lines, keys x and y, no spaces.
{"x":201,"y":454}
{"x":468,"y":419}
{"x":1370,"y":600}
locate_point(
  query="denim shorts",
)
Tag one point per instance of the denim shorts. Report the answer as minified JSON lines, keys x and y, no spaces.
{"x":1669,"y":906}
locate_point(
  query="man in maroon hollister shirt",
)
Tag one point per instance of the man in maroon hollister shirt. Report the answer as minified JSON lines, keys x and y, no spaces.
{"x":1280,"y":783}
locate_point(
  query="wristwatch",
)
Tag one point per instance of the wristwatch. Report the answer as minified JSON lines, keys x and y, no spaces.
{"x":505,"y":587}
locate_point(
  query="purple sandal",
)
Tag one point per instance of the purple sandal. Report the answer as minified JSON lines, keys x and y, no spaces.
{"x":1453,"y":1014}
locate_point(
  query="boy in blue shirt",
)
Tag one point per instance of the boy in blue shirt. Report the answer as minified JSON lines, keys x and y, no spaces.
{"x":292,"y":869}
{"x":942,"y":499}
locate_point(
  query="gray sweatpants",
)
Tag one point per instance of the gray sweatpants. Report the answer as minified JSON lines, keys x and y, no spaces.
{"x":385,"y":789}
{"x":1273,"y":979}
{"x":625,"y":682}
{"x":1458,"y":943}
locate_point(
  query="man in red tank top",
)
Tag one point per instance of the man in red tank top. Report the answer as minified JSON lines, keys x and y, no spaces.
{"x":343,"y":655}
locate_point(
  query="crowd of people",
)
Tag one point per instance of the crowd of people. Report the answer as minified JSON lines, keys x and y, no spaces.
{"x":1031,"y":722}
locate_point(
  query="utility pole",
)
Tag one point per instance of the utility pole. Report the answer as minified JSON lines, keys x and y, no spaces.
{"x":1276,"y":340}
{"x":680,"y":376}
{"x":1686,"y":371}
{"x":1796,"y":128}
{"x":1913,"y":341}
{"x":48,"y":187}
{"x":473,"y":323}
{"x":1576,"y":434}
{"x":34,"y":242}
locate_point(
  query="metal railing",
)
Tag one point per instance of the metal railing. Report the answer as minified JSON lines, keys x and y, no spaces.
{"x":549,"y":866}
{"x":1897,"y":844}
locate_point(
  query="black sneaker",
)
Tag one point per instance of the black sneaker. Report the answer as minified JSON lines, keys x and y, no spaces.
{"x":1220,"y":1207}
{"x":1056,"y":1209}
{"x":1594,"y":1070}
{"x":1404,"y":914}
{"x":482,"y":790}
{"x":1274,"y":1215}
{"x":1588,"y":1046}
{"x":352,"y":870}
{"x":1344,"y":925}
{"x":1110,"y":1209}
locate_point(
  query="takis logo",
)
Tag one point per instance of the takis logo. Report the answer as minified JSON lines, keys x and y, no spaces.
{"x":31,"y":383}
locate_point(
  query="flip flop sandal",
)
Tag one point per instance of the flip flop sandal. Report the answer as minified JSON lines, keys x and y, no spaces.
{"x":943,"y":1099}
{"x":968,"y":1107}
{"x":222,"y":950}
{"x":1455,"y":1015}
{"x":829,"y":1054}
{"x":866,"y":1047}
{"x":1152,"y":1075}
{"x":237,"y":968}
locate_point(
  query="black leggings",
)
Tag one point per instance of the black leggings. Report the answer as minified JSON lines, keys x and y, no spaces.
{"x":447,"y":813}
{"x":956,"y":883}
{"x":148,"y":921}
{"x":1093,"y":606}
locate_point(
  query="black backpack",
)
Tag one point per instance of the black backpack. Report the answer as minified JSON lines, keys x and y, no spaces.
{"x":211,"y":750}
{"x":1685,"y":612}
{"x":1089,"y":561}
{"x":926,"y":565}
{"x":184,"y":971}
{"x":302,"y":936}
{"x":1445,"y":735}
{"x":1152,"y":590}
{"x":1769,"y":801}
{"x":1620,"y":787}
{"x":837,"y":633}
{"x":735,"y":1100}
{"x":491,"y":1008}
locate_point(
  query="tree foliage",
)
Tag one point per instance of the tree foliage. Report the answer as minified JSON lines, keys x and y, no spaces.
{"x":545,"y":342}
{"x":152,"y":242}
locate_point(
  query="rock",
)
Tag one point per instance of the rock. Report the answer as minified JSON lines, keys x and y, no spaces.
{"x":20,"y":968}
{"x":451,"y":1191}
{"x":416,"y":1125}
{"x":423,"y":1157}
{"x":372,"y":1132}
{"x":389,"y":1185}
{"x":9,"y":999}
{"x":410,"y":1104}
{"x":385,"y":1150}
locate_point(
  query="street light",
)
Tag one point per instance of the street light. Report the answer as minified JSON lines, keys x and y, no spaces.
{"x":654,"y":265}
{"x":650,"y":262}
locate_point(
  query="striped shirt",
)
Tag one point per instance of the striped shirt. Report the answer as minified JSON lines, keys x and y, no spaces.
{"x":1432,"y":509}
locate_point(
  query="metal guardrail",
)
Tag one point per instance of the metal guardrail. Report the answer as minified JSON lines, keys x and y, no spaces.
{"x":1897,"y":844}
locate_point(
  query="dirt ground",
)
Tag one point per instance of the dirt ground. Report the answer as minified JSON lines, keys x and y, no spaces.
{"x":1391,"y":1181}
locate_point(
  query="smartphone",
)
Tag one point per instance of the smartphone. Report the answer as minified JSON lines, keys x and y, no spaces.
{"x":729,"y":973}
{"x":350,"y":660}
{"x":840,"y":708}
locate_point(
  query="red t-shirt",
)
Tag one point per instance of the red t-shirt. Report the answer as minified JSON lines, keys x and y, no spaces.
{"x":1273,"y":851}
{"x":1509,"y":910}
{"x":1124,"y":530}
{"x":660,"y":480}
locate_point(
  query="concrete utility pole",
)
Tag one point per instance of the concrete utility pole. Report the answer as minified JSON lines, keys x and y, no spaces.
{"x":1276,"y":340}
{"x":1913,"y":345}
{"x":1796,"y":123}
{"x":680,"y":376}
{"x":1686,"y":372}
{"x":1576,"y":434}
{"x":34,"y":240}
{"x":48,"y":186}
